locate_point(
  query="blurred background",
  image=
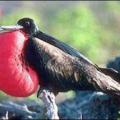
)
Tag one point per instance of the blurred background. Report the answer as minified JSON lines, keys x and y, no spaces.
{"x":92,"y":27}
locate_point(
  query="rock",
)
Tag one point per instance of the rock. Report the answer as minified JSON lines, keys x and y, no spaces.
{"x":86,"y":105}
{"x":89,"y":105}
{"x":115,"y":64}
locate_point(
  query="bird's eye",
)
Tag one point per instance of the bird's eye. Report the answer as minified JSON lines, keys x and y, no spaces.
{"x":27,"y":23}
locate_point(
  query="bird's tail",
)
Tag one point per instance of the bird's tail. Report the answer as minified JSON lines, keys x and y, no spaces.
{"x":113,"y":86}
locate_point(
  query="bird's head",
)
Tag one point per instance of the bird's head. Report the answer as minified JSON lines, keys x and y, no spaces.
{"x":26,"y":24}
{"x":29,"y":26}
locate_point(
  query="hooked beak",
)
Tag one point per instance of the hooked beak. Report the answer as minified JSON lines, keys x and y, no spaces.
{"x":13,"y":27}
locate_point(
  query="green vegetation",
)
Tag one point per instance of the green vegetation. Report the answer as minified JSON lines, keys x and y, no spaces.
{"x":80,"y":29}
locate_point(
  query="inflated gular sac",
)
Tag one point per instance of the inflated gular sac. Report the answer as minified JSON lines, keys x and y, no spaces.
{"x":16,"y":77}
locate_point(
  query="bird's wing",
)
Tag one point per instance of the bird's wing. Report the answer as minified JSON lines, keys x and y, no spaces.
{"x":65,"y":72}
{"x":72,"y":51}
{"x":57,"y":67}
{"x":61,"y":45}
{"x":111,"y":72}
{"x":69,"y":73}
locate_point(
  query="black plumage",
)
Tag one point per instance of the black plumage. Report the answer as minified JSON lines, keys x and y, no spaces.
{"x":63,"y":72}
{"x":59,"y":71}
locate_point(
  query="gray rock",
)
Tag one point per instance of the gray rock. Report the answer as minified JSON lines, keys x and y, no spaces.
{"x":86,"y":105}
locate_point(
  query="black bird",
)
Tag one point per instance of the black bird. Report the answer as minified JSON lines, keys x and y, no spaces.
{"x":60,"y":66}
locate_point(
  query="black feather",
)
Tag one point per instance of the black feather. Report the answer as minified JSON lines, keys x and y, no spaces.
{"x":58,"y":70}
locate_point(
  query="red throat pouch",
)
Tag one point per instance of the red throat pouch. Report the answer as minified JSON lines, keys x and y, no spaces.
{"x":15,"y":78}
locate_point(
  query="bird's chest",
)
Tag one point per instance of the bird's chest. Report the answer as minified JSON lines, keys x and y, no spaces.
{"x":16,"y":78}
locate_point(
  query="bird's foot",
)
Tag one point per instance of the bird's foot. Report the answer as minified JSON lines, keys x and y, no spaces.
{"x":49,"y":100}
